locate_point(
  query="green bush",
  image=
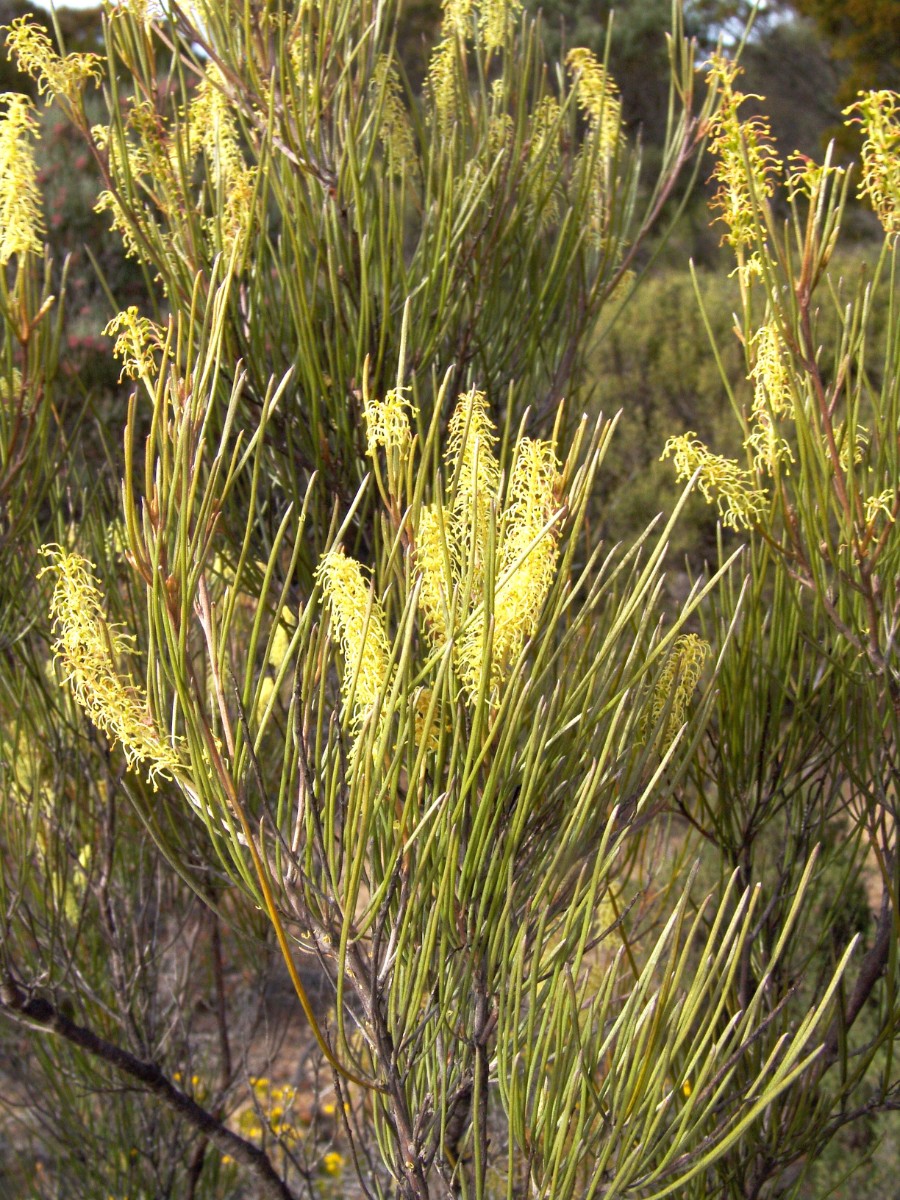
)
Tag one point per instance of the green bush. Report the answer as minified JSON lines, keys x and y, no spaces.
{"x":563,"y":877}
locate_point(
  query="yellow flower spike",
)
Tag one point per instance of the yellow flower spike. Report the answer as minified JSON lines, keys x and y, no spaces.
{"x":473,"y":465}
{"x":721,"y":480}
{"x":86,"y":646}
{"x":883,"y":503}
{"x":528,"y":554}
{"x":212,"y":127}
{"x":55,"y":76}
{"x":495,"y":19}
{"x":443,"y":83}
{"x":360,"y":623}
{"x":457,"y":15}
{"x":433,"y":558}
{"x":678,"y":680}
{"x":396,"y":132}
{"x":770,"y":372}
{"x":543,"y":156}
{"x":21,"y":220}
{"x":747,"y":165}
{"x":770,"y":451}
{"x":597,"y":96}
{"x":879,"y":115}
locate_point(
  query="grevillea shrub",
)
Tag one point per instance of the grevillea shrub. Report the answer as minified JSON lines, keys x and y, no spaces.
{"x":317,"y":670}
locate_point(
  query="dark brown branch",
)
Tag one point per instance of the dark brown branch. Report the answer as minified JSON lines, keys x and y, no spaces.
{"x":37,"y":1011}
{"x":870,"y":972}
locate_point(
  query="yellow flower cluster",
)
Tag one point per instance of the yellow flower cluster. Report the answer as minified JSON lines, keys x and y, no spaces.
{"x":484,"y":567}
{"x":212,"y":126}
{"x":772,"y":399}
{"x":277,"y":1104}
{"x":879,"y":115}
{"x":387,"y":422}
{"x":454,"y":540}
{"x":495,"y":20}
{"x":598,"y":96}
{"x":443,"y":83}
{"x":747,"y":164}
{"x":55,"y":76}
{"x":676,"y":684}
{"x":543,"y":159}
{"x":139,"y":339}
{"x":86,"y":646}
{"x":395,"y":132}
{"x":21,"y":222}
{"x":361,"y":629}
{"x":721,"y":480}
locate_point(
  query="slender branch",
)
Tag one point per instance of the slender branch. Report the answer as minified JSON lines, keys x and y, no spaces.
{"x":40,"y":1012}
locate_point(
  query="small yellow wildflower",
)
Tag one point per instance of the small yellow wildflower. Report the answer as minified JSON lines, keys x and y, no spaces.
{"x":21,"y":223}
{"x":360,"y":623}
{"x":598,"y":96}
{"x":879,"y":115}
{"x":687,"y":1089}
{"x":87,"y":645}
{"x":721,"y":480}
{"x":55,"y":76}
{"x":333,"y":1163}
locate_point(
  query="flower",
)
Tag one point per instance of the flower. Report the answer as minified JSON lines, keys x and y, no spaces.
{"x":21,"y":221}
{"x":55,"y":76}
{"x":360,"y":623}
{"x":879,"y":115}
{"x":746,"y":168}
{"x":598,"y":96}
{"x":721,"y":480}
{"x":676,"y":683}
{"x":86,"y":646}
{"x":333,"y":1163}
